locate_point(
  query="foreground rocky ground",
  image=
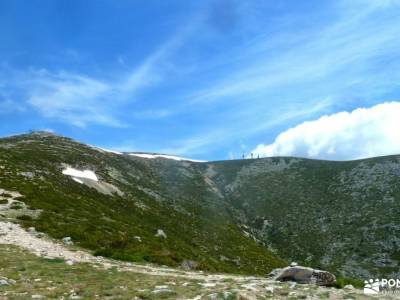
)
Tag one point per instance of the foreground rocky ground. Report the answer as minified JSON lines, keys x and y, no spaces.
{"x":32,"y":266}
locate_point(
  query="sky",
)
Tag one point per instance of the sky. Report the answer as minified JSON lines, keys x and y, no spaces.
{"x":208,"y":79}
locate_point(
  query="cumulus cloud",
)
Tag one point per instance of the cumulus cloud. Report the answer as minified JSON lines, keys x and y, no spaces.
{"x":364,"y":132}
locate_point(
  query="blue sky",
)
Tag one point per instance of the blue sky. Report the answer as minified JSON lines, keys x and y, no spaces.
{"x":203,"y":79}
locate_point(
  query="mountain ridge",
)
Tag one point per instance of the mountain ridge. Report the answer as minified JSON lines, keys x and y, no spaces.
{"x":165,"y":155}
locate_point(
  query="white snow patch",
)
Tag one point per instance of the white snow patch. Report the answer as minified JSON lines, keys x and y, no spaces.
{"x":77,"y":180}
{"x":151,"y":156}
{"x":76,"y":174}
{"x":106,"y":150}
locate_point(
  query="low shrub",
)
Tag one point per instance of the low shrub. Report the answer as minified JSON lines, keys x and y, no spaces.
{"x":25,"y":218}
{"x":16,"y":206}
{"x":341,"y":282}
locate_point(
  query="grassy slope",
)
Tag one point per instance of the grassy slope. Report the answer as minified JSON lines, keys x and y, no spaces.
{"x":54,"y":279}
{"x":108,"y":225}
{"x":340,"y":216}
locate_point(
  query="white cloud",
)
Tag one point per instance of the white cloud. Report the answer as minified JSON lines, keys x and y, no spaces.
{"x":69,"y":97}
{"x":364,"y":132}
{"x":338,"y":59}
{"x":152,"y":114}
{"x":79,"y":99}
{"x":8,"y":106}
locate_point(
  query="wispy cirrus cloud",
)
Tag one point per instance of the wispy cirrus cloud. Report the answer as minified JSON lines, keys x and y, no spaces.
{"x":80,"y":99}
{"x":73,"y":98}
{"x":238,"y":73}
{"x":341,"y":64}
{"x":8,"y":106}
{"x":349,"y":45}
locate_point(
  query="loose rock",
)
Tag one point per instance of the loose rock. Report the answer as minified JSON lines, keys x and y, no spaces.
{"x":301,"y":274}
{"x":161,"y":233}
{"x":3,"y":282}
{"x":67,"y":240}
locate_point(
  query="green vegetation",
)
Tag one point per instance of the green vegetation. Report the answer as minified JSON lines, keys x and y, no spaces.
{"x":245,"y":216}
{"x":125,"y":227}
{"x":337,"y":216}
{"x":24,"y":218}
{"x":53,"y":279}
{"x":342,"y":282}
{"x":16,"y":205}
{"x":30,"y":275}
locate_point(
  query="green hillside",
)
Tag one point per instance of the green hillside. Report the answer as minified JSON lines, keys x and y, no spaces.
{"x":339,"y":216}
{"x":243,"y":216}
{"x":157,"y":194}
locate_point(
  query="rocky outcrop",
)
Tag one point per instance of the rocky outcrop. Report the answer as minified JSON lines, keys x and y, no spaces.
{"x":189,"y":265}
{"x":301,"y":274}
{"x":6,"y":281}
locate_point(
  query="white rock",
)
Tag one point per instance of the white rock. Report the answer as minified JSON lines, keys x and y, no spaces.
{"x":3,"y":282}
{"x":67,"y":240}
{"x":348,"y":287}
{"x":269,"y":289}
{"x":161,"y":291}
{"x":208,"y":284}
{"x":161,"y":233}
{"x":161,"y":287}
{"x":214,"y":296}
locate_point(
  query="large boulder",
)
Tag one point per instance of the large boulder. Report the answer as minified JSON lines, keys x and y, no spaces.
{"x":301,"y":274}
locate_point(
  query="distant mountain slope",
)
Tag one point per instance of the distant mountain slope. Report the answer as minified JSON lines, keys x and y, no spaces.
{"x":340,"y":216}
{"x":231,"y":216}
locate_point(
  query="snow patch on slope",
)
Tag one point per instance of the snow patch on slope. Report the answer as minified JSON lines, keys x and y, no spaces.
{"x":77,"y":180}
{"x":76,"y":174}
{"x":106,"y":150}
{"x":152,"y":156}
